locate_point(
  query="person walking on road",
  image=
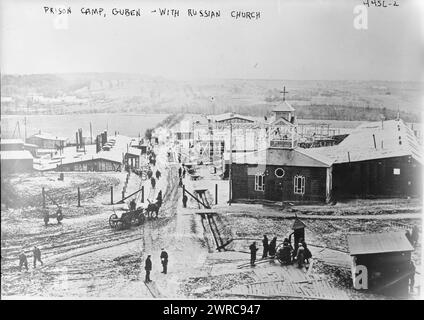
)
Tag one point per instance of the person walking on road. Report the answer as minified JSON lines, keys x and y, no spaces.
{"x":164,"y":260}
{"x":253,"y":250}
{"x":148,"y":268}
{"x":153,"y":182}
{"x":185,"y":199}
{"x":266,"y":247}
{"x":23,"y":261}
{"x":37,"y":255}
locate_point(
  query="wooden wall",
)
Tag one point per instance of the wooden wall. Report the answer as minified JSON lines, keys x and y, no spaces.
{"x":244,"y":184}
{"x":376,"y":178}
{"x":92,"y":165}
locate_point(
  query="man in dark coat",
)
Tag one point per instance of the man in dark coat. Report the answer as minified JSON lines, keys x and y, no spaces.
{"x":153,"y":182}
{"x":411,"y":276}
{"x":158,"y":174}
{"x":185,"y":198}
{"x":180,"y":172}
{"x":37,"y":255}
{"x":272,"y":246}
{"x":164,"y":260}
{"x":23,"y":261}
{"x":307,"y":252}
{"x":148,"y":268}
{"x":266,"y":247}
{"x":253,"y":250}
{"x":159,"y":199}
{"x":133,"y":205}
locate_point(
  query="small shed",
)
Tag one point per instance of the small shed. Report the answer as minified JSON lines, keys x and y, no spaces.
{"x":387,"y":258}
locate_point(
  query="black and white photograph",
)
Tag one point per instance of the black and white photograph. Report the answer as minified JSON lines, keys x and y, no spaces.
{"x":211,"y":150}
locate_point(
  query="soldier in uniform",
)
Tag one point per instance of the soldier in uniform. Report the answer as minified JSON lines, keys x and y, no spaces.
{"x":37,"y":255}
{"x":148,"y":268}
{"x":23,"y":261}
{"x":164,"y":260}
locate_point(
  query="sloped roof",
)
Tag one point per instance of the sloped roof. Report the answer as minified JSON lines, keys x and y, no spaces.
{"x":106,"y":155}
{"x":48,"y":136}
{"x":283,"y":157}
{"x":378,"y":243}
{"x":229,"y":116}
{"x":284,"y":106}
{"x":16,"y":155}
{"x":298,"y":224}
{"x":359,"y":144}
{"x":11,"y":141}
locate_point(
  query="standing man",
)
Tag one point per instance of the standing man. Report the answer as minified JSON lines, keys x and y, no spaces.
{"x":164,"y":260}
{"x":158,"y":174}
{"x":179,"y":172}
{"x":185,"y":201}
{"x":153,"y":182}
{"x":37,"y":255}
{"x":253,"y":250}
{"x":272,"y":247}
{"x":266,"y":246}
{"x":148,"y":268}
{"x":23,"y":261}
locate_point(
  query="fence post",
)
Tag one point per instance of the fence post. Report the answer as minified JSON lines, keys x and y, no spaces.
{"x":111,"y":194}
{"x":79,"y":197}
{"x":216,"y":193}
{"x":44,"y":197}
{"x":142,"y":194}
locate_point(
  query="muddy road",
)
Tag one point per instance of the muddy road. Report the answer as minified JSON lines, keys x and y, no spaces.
{"x":84,"y":257}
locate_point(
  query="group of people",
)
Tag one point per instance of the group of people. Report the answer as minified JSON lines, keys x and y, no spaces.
{"x":23,"y":260}
{"x":148,"y":265}
{"x":286,"y":253}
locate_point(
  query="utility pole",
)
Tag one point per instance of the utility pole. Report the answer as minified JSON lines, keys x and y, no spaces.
{"x":231,"y":162}
{"x":91,"y":134}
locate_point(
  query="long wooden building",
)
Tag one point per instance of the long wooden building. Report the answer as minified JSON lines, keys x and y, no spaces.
{"x":377,"y":159}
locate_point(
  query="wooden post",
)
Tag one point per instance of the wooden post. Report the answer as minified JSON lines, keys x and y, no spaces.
{"x":44,"y":198}
{"x":123,"y":194}
{"x":142,"y":194}
{"x":183,"y":190}
{"x":231,"y":162}
{"x":111,"y":194}
{"x":216,"y":193}
{"x":79,"y":197}
{"x":375,"y":145}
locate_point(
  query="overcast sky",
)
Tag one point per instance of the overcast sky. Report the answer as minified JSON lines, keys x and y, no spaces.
{"x":299,"y":40}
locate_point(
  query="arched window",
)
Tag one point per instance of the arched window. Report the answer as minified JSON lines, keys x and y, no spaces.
{"x":259,"y":182}
{"x":299,"y":184}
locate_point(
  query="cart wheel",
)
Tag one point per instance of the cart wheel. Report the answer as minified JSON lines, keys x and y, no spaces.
{"x":113,"y":220}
